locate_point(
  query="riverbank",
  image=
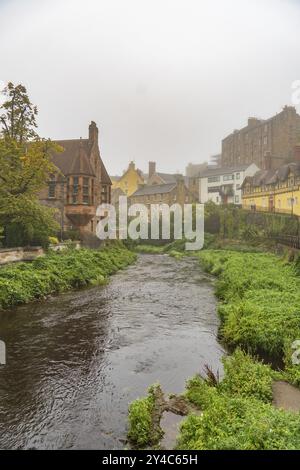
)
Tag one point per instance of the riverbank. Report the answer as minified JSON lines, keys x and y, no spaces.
{"x":259,"y":303}
{"x":77,"y":359}
{"x":235,"y":413}
{"x":259,"y":306}
{"x":59,"y":272}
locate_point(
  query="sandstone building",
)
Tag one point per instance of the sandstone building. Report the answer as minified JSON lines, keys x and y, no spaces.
{"x":275,"y":137}
{"x":79,"y":185}
{"x":167,"y":193}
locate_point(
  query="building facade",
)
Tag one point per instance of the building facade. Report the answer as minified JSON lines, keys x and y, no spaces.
{"x":130,"y":181}
{"x":274,"y":190}
{"x":223,"y":185}
{"x":79,"y":185}
{"x":276,"y":136}
{"x":169,"y":193}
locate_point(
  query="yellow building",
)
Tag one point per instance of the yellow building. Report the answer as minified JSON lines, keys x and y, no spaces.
{"x":130,"y":181}
{"x":276,"y":190}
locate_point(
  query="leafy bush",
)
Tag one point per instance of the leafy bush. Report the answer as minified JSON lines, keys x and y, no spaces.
{"x":240,"y":424}
{"x":260,"y":295}
{"x":60,"y":271}
{"x":140,"y":420}
{"x":247,"y":378}
{"x":236,"y":414}
{"x":144,"y":420}
{"x":53,"y":240}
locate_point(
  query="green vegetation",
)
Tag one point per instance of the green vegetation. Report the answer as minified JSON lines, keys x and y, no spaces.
{"x":58,"y":272}
{"x":237,"y":413}
{"x":260,"y":303}
{"x":144,"y":416}
{"x":25,"y":162}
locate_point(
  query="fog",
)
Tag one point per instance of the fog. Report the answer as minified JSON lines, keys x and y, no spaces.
{"x":165,"y":80}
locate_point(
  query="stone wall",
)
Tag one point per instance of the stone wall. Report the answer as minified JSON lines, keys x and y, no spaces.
{"x":14,"y":255}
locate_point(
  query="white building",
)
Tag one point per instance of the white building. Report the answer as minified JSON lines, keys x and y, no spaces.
{"x":223,"y":185}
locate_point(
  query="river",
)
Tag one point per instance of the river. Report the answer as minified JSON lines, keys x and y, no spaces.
{"x":75,"y":361}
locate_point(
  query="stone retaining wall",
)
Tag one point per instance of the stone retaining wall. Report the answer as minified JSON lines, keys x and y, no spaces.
{"x":14,"y":255}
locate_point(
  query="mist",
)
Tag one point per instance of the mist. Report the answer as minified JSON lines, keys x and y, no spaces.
{"x":164,"y":80}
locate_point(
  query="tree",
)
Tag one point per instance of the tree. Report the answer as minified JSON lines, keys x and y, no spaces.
{"x":18,"y":119}
{"x":25,"y":165}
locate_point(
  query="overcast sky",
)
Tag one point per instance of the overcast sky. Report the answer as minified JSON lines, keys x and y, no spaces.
{"x":164,"y":80}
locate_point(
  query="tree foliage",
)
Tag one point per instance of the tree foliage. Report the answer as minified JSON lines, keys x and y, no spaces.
{"x":25,"y":165}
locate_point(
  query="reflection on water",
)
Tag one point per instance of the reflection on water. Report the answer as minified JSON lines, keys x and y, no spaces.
{"x":75,"y":361}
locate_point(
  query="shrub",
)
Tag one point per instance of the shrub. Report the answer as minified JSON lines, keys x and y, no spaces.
{"x":260,"y":306}
{"x":60,"y":271}
{"x":237,"y":413}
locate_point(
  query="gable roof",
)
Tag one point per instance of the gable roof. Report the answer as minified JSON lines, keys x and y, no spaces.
{"x":155,"y":189}
{"x":74,"y":157}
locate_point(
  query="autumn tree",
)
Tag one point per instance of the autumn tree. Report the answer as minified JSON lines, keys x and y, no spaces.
{"x":25,"y":165}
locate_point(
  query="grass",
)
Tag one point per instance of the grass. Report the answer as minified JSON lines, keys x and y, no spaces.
{"x":260,"y":301}
{"x":238,"y":414}
{"x":144,"y":426}
{"x":57,"y":272}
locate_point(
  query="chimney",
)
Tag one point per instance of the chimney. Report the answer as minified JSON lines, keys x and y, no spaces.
{"x":297,"y":153}
{"x":152,"y":168}
{"x":93,"y":133}
{"x":267,"y":161}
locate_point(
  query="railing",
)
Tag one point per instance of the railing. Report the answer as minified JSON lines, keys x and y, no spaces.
{"x":272,"y":210}
{"x":289,"y":240}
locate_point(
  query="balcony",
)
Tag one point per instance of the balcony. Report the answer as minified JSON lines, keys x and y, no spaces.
{"x":80,"y":214}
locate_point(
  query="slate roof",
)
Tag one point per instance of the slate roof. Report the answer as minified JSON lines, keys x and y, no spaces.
{"x":154,"y":189}
{"x":167,"y":177}
{"x":74,"y":159}
{"x":224,"y":171}
{"x":265,"y":177}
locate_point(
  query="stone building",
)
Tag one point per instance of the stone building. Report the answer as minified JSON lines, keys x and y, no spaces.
{"x":168,"y":193}
{"x":276,"y":137}
{"x":274,"y":190}
{"x":156,"y":177}
{"x":79,"y":185}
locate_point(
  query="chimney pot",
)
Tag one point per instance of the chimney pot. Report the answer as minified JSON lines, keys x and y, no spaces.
{"x":152,"y":168}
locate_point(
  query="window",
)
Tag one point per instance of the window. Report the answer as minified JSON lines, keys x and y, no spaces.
{"x":237,"y":176}
{"x":217,"y":199}
{"x":266,"y":140}
{"x":51,"y":187}
{"x":75,"y":189}
{"x":213,"y":179}
{"x":238,"y":186}
{"x":236,"y":199}
{"x":228,"y":177}
{"x":85,"y":191}
{"x":213,"y":189}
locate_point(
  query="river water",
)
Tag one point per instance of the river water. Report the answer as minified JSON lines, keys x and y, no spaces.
{"x":75,"y":361}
